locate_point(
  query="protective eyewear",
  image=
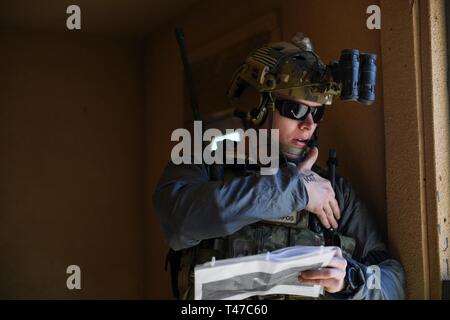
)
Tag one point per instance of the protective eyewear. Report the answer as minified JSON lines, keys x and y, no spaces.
{"x":298,"y":111}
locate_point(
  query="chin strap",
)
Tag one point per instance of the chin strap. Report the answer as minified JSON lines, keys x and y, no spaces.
{"x":299,"y":153}
{"x":270,"y":104}
{"x":270,"y":109}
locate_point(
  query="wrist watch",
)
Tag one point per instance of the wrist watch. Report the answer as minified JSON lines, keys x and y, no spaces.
{"x":354,"y":277}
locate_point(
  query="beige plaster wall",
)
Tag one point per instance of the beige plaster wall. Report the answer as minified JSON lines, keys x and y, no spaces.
{"x":71,"y":166}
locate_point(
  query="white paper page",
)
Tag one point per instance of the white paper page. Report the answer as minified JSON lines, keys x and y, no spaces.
{"x":269,"y":273}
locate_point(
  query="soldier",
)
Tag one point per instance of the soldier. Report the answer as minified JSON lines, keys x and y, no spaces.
{"x":232,"y":210}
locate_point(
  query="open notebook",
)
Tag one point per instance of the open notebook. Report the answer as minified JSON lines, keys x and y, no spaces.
{"x":273,"y":272}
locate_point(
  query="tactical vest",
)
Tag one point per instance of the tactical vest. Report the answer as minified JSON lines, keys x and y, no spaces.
{"x":298,"y":228}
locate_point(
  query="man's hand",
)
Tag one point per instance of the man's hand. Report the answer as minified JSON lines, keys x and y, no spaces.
{"x":322,"y":201}
{"x":331,"y":278}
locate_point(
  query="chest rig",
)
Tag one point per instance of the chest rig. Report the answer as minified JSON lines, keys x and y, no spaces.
{"x":297,"y":228}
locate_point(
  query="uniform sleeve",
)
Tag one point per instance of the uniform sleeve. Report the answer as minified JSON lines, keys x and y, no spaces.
{"x":191,"y":207}
{"x":381,"y":277}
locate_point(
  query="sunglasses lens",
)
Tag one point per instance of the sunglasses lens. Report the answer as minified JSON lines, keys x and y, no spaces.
{"x":317,"y":113}
{"x":292,"y":109}
{"x":298,"y":111}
